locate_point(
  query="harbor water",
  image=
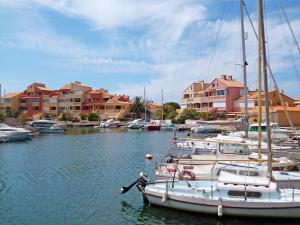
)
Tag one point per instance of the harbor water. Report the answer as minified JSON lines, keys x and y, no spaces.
{"x":75,"y":179}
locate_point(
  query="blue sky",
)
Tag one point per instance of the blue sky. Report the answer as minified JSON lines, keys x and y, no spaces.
{"x":123,"y":45}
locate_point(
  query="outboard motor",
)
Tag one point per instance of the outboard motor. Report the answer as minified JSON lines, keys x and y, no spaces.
{"x":141,"y":183}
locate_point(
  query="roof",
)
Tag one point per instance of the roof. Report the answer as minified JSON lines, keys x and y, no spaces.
{"x":230,"y":83}
{"x":42,"y":88}
{"x":66,"y":86}
{"x":11,"y":94}
{"x":254,"y":94}
{"x":288,"y":108}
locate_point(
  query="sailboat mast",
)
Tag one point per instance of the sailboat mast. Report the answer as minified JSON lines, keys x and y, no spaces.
{"x":145,"y":116}
{"x":265,"y":70}
{"x":162,"y":104}
{"x":244,"y":64}
{"x":259,"y":85}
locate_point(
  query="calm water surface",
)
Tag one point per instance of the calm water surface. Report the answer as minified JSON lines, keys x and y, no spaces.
{"x":75,"y":179}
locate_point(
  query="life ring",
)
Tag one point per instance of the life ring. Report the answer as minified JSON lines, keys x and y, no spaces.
{"x":187,"y":175}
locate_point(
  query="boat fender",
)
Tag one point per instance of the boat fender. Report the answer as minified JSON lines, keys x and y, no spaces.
{"x":164,"y":197}
{"x":149,"y":156}
{"x":220,"y":211}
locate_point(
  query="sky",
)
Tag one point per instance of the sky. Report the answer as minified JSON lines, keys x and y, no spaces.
{"x":124,"y":45}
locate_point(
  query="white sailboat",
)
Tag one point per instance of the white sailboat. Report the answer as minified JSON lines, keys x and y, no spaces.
{"x":230,"y":194}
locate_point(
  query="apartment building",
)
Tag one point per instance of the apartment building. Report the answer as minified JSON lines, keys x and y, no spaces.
{"x":105,"y":104}
{"x":277,"y":111}
{"x":74,"y":98}
{"x":217,"y":96}
{"x":10,"y":102}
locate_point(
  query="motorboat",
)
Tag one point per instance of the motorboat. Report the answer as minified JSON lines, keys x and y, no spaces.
{"x":206,"y":131}
{"x":10,"y":133}
{"x":136,"y":124}
{"x":46,"y":126}
{"x":276,"y":132}
{"x":110,"y":124}
{"x":152,"y":126}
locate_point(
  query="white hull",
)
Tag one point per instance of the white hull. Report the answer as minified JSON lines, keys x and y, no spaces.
{"x":228,"y":208}
{"x":50,"y":130}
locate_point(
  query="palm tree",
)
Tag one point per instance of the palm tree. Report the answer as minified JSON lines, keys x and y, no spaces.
{"x":138,"y":106}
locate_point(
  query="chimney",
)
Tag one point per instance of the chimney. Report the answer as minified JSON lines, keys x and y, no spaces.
{"x":224,"y":77}
{"x":229,"y":77}
{"x":282,"y":92}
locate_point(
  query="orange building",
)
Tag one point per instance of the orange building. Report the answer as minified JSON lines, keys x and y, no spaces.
{"x":277,"y":112}
{"x":38,"y":101}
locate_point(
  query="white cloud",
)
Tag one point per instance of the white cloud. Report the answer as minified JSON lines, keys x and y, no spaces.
{"x":161,"y":50}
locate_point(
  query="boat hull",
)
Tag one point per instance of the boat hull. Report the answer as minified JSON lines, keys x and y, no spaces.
{"x":153,"y":127}
{"x":228,"y":208}
{"x":50,"y":130}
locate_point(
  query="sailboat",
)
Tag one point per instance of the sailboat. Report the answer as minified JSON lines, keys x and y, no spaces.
{"x":230,"y":194}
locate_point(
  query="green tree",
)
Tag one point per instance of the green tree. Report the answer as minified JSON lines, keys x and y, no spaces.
{"x":138,"y":106}
{"x":93,"y":117}
{"x":2,"y":116}
{"x":169,"y":110}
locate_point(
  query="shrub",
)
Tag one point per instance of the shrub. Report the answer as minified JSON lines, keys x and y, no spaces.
{"x":93,"y":117}
{"x":83,"y":116}
{"x":2,"y":116}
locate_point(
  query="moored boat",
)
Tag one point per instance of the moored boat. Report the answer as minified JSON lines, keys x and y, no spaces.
{"x":10,"y":133}
{"x":46,"y":126}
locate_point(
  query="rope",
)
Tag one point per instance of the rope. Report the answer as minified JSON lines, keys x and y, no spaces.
{"x":288,"y":22}
{"x":273,"y":79}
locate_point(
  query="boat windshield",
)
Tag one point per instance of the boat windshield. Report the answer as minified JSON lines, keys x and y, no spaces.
{"x":255,"y":128}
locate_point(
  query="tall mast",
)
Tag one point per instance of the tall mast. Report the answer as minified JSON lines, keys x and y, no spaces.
{"x":259,"y":85}
{"x":145,"y":116}
{"x":162,"y":104}
{"x":244,"y":64}
{"x":265,"y":70}
{"x":0,"y":98}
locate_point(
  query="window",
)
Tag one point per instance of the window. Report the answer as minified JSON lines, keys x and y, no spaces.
{"x":220,"y":92}
{"x":77,"y":99}
{"x":52,"y":108}
{"x":249,"y":173}
{"x":36,"y":108}
{"x":109,"y":107}
{"x":226,"y":170}
{"x":226,"y":148}
{"x":255,"y":128}
{"x":118,"y":107}
{"x":250,"y":194}
{"x":77,"y":108}
{"x":45,"y":100}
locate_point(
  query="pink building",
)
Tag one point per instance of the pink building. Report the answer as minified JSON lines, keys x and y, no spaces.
{"x":218,"y":96}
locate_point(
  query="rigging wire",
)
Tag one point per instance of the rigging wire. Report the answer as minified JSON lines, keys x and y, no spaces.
{"x":289,"y":48}
{"x":273,"y":78}
{"x":208,"y":69}
{"x":288,"y":22}
{"x":267,"y":36}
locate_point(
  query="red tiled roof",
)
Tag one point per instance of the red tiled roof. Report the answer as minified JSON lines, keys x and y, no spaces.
{"x":11,"y":94}
{"x":230,"y":83}
{"x":288,"y":108}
